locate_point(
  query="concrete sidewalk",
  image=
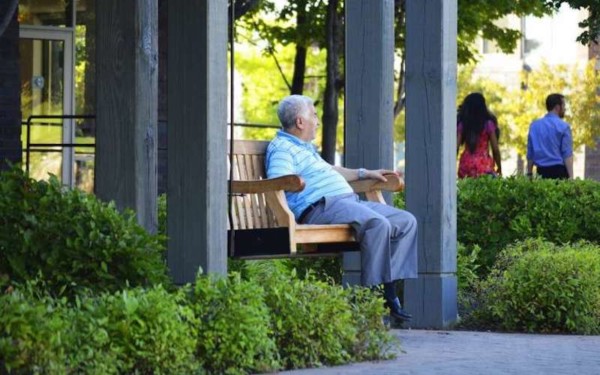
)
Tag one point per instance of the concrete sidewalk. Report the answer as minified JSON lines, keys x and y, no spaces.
{"x":478,"y":353}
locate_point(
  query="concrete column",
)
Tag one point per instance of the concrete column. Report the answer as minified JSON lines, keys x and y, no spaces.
{"x":197,"y":137}
{"x":126,"y":110}
{"x":369,"y":94}
{"x":431,"y":158}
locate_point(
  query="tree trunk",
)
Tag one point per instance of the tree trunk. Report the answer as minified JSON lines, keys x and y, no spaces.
{"x":400,"y":100}
{"x":300,"y":58}
{"x":330,"y":99}
{"x":400,"y":15}
{"x":520,"y":165}
{"x":299,"y":70}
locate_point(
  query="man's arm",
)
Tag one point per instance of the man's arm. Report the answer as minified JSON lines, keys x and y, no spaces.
{"x":529,"y":154}
{"x":529,"y":167}
{"x":353,"y":174}
{"x":569,"y":165}
{"x":567,"y":151}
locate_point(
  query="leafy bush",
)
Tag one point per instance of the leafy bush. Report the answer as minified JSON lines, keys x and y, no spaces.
{"x":32,"y":335}
{"x":318,"y":323}
{"x":162,"y":217}
{"x":312,"y":321}
{"x":494,"y":213}
{"x":234,"y":328}
{"x":537,"y":286}
{"x":149,"y":331}
{"x":373,"y":340}
{"x":72,"y":239}
{"x":467,"y":265}
{"x":133,"y":331}
{"x":328,"y":269}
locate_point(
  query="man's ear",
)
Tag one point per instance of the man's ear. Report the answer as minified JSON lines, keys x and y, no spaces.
{"x":300,"y":122}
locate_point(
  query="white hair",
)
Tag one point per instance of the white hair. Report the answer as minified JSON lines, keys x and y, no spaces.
{"x":291,"y":107}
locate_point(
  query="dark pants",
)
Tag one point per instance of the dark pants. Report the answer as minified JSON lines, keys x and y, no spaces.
{"x":553,"y":171}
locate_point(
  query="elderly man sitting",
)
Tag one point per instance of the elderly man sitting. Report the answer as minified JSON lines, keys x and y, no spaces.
{"x":387,"y":235}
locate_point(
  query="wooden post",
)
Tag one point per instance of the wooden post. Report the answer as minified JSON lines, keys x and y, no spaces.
{"x":126,"y":111}
{"x":197,"y":137}
{"x":369,"y":94}
{"x":10,"y":88}
{"x":431,"y":158}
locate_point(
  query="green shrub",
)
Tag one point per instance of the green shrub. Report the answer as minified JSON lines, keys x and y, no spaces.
{"x":234,"y":328}
{"x":317,"y":323}
{"x":32,"y":335}
{"x":373,"y":340}
{"x":72,"y":239}
{"x":328,"y":269}
{"x":494,"y":213}
{"x":282,"y":281}
{"x":259,"y":271}
{"x":312,"y":321}
{"x":89,"y":349}
{"x":540,"y":287}
{"x":142,"y":331}
{"x":133,"y":331}
{"x":162,"y":214}
{"x":467,"y":265}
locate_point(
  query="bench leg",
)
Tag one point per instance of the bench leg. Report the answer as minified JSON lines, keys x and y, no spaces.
{"x":351,"y":268}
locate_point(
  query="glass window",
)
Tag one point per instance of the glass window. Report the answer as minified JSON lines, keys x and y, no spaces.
{"x":42,"y":90}
{"x":57,"y":13}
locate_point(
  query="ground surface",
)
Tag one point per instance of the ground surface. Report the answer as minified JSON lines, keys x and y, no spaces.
{"x":477,"y":353}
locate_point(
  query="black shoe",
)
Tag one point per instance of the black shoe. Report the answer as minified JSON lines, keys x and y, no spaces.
{"x":396,"y":310}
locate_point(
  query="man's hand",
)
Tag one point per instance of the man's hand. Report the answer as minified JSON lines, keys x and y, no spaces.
{"x":378,"y":174}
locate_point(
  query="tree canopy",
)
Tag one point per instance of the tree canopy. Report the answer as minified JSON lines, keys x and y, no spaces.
{"x":591,"y":25}
{"x":295,"y":39}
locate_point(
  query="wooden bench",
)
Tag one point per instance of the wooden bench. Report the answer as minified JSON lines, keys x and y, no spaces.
{"x":263,"y":224}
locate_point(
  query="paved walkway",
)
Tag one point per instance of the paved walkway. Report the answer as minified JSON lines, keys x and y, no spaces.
{"x":477,"y":353}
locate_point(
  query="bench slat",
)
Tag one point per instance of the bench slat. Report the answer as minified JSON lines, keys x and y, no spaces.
{"x":309,"y":233}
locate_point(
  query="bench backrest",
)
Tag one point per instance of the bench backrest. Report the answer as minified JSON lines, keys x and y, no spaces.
{"x":250,"y":210}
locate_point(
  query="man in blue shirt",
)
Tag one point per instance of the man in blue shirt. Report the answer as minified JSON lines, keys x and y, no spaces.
{"x":387,"y":235}
{"x":550,"y":144}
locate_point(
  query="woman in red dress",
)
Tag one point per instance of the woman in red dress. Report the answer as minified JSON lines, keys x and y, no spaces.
{"x":478,"y":132}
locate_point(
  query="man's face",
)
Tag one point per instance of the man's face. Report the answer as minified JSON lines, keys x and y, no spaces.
{"x":561,"y":109}
{"x":308,"y":123}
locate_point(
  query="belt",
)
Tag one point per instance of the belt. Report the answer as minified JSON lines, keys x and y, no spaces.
{"x":308,"y":209}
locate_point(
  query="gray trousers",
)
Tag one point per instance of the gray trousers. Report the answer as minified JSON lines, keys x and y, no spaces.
{"x":387,"y":236}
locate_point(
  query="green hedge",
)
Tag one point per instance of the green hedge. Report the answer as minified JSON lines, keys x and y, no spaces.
{"x":220,"y":326}
{"x":32,"y":335}
{"x":310,"y":322}
{"x":71,"y":239}
{"x":235,"y":335}
{"x":494,"y":213}
{"x":537,"y":286}
{"x":134,"y":331}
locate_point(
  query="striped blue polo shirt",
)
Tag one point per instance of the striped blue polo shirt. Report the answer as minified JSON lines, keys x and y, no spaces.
{"x":288,"y":154}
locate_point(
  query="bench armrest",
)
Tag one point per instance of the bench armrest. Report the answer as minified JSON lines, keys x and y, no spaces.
{"x":394,"y":183}
{"x":287,"y":183}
